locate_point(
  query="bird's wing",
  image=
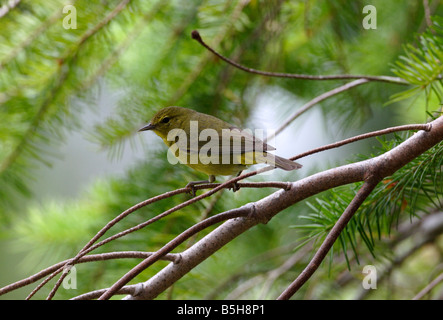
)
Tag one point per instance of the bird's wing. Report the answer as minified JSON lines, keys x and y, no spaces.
{"x":241,"y":141}
{"x":229,"y":141}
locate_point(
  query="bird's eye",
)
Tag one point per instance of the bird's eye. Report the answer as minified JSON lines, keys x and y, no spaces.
{"x":165,"y":120}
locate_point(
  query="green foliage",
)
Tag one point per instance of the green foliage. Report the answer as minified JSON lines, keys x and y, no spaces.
{"x":422,"y":65}
{"x":416,"y":189}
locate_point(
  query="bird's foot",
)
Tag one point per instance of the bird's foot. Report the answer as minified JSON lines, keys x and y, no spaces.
{"x":235,"y":187}
{"x":191,"y":186}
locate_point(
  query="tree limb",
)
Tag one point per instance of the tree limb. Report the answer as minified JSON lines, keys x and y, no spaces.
{"x":216,"y":187}
{"x":370,"y":170}
{"x":196,"y":36}
{"x":330,"y":239}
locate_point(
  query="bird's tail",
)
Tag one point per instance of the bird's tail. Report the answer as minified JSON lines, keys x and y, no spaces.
{"x":276,"y":161}
{"x":286,"y":164}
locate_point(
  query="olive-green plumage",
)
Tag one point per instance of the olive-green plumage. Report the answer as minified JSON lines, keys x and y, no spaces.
{"x":242,"y":149}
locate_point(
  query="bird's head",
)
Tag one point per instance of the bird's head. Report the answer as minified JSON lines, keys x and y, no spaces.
{"x":167,"y":119}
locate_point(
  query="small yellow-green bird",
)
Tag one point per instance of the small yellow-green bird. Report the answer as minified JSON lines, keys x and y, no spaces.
{"x":210,"y":145}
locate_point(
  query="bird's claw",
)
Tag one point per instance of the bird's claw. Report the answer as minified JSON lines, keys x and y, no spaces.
{"x":235,"y":187}
{"x":191,"y":186}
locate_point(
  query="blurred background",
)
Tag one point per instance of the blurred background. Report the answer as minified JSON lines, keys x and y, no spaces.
{"x":79,"y":78}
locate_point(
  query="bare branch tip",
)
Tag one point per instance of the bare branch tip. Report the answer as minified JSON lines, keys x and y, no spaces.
{"x":196,"y":36}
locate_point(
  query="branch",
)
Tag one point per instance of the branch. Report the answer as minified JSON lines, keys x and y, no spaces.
{"x":317,"y":100}
{"x":425,"y":127}
{"x":216,"y":187}
{"x":427,"y":13}
{"x":196,"y":36}
{"x":269,"y":277}
{"x":235,"y":213}
{"x":197,"y":69}
{"x":228,"y":183}
{"x":88,"y":258}
{"x":429,"y":287}
{"x":286,"y":186}
{"x":56,"y":269}
{"x":131,"y":289}
{"x":370,"y":171}
{"x":330,"y":239}
{"x":89,"y":246}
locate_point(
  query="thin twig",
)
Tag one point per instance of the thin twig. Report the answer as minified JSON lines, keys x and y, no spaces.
{"x":245,"y":270}
{"x":42,"y":284}
{"x":273,"y":275}
{"x":131,"y":289}
{"x":239,"y":212}
{"x":196,"y":36}
{"x":425,"y":127}
{"x":197,"y":69}
{"x":315,"y":101}
{"x":88,"y":247}
{"x":429,"y":287}
{"x":81,"y":256}
{"x":427,"y":13}
{"x":89,"y":258}
{"x":330,"y":239}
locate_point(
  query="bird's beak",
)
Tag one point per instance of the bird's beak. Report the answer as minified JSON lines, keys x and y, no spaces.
{"x":149,"y":126}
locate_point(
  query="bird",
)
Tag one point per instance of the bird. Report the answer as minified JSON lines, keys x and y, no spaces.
{"x":210,"y":145}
